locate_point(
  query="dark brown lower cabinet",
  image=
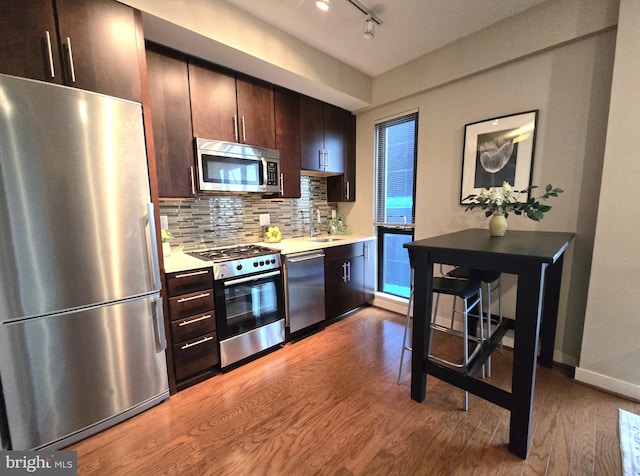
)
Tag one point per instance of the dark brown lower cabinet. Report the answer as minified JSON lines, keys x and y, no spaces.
{"x":344,"y":271}
{"x":195,"y":355}
{"x":193,"y":326}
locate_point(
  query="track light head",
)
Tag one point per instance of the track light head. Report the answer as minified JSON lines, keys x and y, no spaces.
{"x":369,"y":26}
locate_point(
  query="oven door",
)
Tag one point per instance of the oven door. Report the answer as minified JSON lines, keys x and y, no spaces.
{"x":247,"y":303}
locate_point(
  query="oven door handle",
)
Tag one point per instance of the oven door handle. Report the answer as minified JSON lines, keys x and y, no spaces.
{"x":233,"y":282}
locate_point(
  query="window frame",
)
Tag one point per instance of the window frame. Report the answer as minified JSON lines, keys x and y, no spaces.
{"x":383,"y":225}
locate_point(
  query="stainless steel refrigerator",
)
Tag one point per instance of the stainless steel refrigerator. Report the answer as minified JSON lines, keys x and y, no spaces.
{"x":82,"y":343}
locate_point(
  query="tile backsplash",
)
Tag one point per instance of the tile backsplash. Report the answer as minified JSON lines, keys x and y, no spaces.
{"x":219,"y":220}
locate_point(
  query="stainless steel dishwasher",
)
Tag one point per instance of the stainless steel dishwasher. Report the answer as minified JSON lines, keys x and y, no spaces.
{"x":304,"y":289}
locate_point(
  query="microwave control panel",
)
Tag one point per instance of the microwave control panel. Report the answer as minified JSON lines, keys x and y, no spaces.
{"x":272,"y":173}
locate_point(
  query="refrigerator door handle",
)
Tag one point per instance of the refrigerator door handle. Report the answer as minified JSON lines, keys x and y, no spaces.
{"x":155,"y":264}
{"x":5,"y":442}
{"x":158,"y":315}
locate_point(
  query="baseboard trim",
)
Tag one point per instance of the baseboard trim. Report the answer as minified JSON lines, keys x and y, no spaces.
{"x":608,"y":384}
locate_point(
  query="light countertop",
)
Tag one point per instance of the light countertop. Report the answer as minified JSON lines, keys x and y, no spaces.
{"x":179,"y":261}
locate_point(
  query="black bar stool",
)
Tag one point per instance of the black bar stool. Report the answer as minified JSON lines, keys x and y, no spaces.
{"x":470,"y":291}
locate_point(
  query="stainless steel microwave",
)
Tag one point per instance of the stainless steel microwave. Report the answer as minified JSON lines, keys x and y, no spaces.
{"x":230,"y":167}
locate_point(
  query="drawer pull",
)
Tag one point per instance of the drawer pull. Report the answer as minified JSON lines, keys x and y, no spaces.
{"x":201,"y":318}
{"x":195,"y":273}
{"x":199,"y":296}
{"x":201,"y":341}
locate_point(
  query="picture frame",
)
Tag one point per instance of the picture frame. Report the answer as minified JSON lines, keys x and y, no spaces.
{"x":497,"y":150}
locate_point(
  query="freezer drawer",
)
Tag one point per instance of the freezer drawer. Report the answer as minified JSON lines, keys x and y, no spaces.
{"x":66,"y":374}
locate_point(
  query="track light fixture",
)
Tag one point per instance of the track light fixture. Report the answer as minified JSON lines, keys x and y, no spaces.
{"x":323,"y":5}
{"x":369,"y":32}
{"x":369,"y":23}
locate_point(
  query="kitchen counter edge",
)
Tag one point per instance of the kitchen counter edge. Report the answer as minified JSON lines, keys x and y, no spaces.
{"x":180,"y":261}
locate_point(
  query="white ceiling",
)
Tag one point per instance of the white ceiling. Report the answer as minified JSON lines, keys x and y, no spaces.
{"x":410,"y":28}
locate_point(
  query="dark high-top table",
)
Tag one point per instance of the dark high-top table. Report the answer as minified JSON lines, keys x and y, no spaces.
{"x":536,"y":258}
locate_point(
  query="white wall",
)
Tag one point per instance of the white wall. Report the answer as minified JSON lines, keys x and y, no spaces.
{"x":569,"y":83}
{"x":610,"y":354}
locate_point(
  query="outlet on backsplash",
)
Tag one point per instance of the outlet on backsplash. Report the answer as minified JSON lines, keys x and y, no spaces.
{"x":218,"y":220}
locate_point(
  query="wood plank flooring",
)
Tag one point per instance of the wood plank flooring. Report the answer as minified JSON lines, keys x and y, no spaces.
{"x":329,"y":405}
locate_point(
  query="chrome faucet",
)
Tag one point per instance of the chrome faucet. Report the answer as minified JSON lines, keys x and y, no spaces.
{"x":314,"y":214}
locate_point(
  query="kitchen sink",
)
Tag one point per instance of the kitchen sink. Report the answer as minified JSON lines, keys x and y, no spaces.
{"x":324,"y":240}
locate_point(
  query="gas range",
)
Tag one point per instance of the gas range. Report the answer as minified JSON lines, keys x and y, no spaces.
{"x":239,"y":260}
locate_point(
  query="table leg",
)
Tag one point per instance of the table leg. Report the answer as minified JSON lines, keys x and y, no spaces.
{"x":422,"y":304}
{"x":527,"y":326}
{"x":551,"y":301}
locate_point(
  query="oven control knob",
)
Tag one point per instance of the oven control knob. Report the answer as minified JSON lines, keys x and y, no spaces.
{"x":255,"y":264}
{"x":273,"y":261}
{"x":261,"y":263}
{"x":239,"y":267}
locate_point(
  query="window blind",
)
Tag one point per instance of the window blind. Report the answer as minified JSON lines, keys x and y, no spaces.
{"x":396,"y":162}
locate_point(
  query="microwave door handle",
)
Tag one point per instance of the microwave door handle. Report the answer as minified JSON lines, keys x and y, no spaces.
{"x":265,"y":176}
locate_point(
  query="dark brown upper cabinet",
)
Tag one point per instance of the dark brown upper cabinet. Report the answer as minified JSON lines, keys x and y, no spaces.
{"x":257,"y":124}
{"x":168,"y":80}
{"x":321,"y":136}
{"x":96,"y":48}
{"x":29,"y":45}
{"x":342,"y":188}
{"x":232,"y":109}
{"x":99,"y":44}
{"x":287,"y":116}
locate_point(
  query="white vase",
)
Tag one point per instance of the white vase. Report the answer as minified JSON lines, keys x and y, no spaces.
{"x":166,"y":248}
{"x":498,"y":225}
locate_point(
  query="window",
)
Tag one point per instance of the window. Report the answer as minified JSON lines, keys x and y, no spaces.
{"x":396,"y":159}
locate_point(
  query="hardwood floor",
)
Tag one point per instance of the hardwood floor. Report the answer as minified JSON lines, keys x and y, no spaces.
{"x":329,"y":405}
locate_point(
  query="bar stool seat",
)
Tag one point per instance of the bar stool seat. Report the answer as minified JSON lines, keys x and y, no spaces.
{"x":470,"y":291}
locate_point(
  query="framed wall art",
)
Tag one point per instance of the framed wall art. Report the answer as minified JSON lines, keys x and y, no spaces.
{"x":498,"y":150}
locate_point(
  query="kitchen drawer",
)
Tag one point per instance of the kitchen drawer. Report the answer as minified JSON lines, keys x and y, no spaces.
{"x":190,"y":304}
{"x":193,"y":326}
{"x":189,"y":281}
{"x":195,"y":355}
{"x":343,"y":252}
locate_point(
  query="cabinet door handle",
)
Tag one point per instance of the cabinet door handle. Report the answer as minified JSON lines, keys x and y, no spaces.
{"x":348,"y":191}
{"x":281,"y":184}
{"x":193,"y":181}
{"x":50,"y":53}
{"x":344,"y":272}
{"x":197,"y":319}
{"x":71,"y":66}
{"x":195,"y":273}
{"x":235,"y":127}
{"x":199,"y":296}
{"x":244,"y":131}
{"x":326,"y":159}
{"x":320,"y":158}
{"x":201,"y":341}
